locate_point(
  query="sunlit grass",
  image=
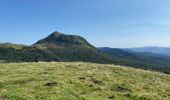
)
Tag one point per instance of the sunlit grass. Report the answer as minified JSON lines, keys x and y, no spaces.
{"x":80,"y":81}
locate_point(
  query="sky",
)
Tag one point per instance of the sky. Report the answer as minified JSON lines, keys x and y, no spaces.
{"x":104,"y":23}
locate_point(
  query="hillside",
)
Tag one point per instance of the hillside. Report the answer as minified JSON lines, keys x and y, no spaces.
{"x":80,"y":81}
{"x":56,"y":47}
{"x":143,"y":60}
{"x":117,"y":52}
{"x":10,"y":45}
{"x":70,"y":48}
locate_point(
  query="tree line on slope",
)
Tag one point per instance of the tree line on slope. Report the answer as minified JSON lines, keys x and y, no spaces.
{"x":33,"y":54}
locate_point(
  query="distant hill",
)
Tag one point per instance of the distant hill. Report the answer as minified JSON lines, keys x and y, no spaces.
{"x":10,"y":45}
{"x":117,"y":52}
{"x":152,"y":49}
{"x":146,"y":60}
{"x":65,"y":47}
{"x":56,"y":47}
{"x":60,"y":40}
{"x":70,"y":48}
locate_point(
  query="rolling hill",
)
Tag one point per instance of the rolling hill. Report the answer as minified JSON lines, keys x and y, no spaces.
{"x":80,"y":81}
{"x":71,"y":48}
{"x":10,"y":45}
{"x":145,"y":60}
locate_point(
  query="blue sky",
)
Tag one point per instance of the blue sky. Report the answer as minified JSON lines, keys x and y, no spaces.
{"x":111,"y":23}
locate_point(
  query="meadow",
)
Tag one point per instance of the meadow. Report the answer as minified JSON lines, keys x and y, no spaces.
{"x":80,"y":81}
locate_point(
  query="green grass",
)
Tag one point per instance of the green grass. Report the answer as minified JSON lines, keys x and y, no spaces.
{"x":80,"y":81}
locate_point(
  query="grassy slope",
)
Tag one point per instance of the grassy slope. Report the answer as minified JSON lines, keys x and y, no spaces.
{"x":70,"y":81}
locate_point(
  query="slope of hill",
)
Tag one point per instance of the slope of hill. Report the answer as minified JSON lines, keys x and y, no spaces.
{"x":117,"y":52}
{"x":71,"y":48}
{"x":149,"y":61}
{"x":80,"y":81}
{"x":10,"y":45}
{"x":152,"y":49}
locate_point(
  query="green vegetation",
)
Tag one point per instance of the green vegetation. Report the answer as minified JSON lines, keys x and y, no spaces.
{"x":10,"y":45}
{"x":60,"y":40}
{"x":71,"y":48}
{"x":147,"y":60}
{"x":80,"y":81}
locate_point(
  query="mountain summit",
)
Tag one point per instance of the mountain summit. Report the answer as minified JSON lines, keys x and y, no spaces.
{"x":63,"y":47}
{"x":57,"y":39}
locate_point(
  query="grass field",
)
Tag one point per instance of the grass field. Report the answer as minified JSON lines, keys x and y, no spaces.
{"x":80,"y":81}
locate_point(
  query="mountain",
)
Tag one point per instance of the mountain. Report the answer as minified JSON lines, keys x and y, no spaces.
{"x":60,"y":40}
{"x":57,"y":47}
{"x":152,"y":49}
{"x":71,"y":48}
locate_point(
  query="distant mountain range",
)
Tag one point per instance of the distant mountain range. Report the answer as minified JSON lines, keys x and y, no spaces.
{"x":69,"y":48}
{"x":144,"y":60}
{"x":152,"y":49}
